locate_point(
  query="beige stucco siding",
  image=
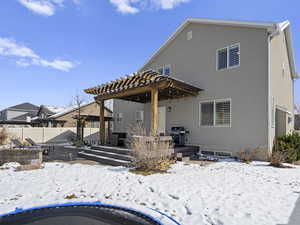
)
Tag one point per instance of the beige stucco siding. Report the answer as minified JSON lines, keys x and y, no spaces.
{"x":128,"y":110}
{"x":194,"y":61}
{"x":281,"y":82}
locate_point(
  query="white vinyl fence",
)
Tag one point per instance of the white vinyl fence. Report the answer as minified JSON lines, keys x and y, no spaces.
{"x":52,"y":135}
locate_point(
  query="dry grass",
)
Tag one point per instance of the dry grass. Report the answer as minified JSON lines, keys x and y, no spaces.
{"x":149,"y":153}
{"x":161,"y":167}
{"x":246,"y":156}
{"x":71,"y":196}
{"x":277,"y":159}
{"x":250,"y":154}
{"x":297,"y":163}
{"x":3,"y":136}
{"x":29,"y":167}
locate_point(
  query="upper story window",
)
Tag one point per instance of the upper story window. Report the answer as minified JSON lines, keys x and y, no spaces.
{"x":160,"y":70}
{"x":228,"y":57}
{"x":164,"y":70}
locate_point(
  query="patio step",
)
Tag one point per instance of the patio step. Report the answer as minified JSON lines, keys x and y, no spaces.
{"x":108,"y":154}
{"x":103,"y":159}
{"x":117,"y":150}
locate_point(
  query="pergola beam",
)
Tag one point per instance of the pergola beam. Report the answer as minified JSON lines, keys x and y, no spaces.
{"x":154,"y":111}
{"x":102,"y":123}
{"x":132,"y":91}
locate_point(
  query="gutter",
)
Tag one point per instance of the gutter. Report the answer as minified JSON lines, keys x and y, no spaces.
{"x":270,"y":36}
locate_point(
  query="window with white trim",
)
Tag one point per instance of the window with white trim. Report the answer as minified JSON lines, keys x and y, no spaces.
{"x":164,"y":70}
{"x":167,"y":70}
{"x":215,"y":113}
{"x":228,"y":57}
{"x":160,"y":70}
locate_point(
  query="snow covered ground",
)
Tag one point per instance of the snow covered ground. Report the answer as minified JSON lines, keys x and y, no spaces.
{"x":224,"y":193}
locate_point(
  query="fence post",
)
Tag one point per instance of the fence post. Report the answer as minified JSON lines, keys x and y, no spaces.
{"x":43,"y":136}
{"x":22,"y":133}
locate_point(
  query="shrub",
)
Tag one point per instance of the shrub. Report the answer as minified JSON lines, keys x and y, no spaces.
{"x":250,"y":154}
{"x":3,"y":136}
{"x":277,"y":159}
{"x":289,"y":145}
{"x":149,"y":153}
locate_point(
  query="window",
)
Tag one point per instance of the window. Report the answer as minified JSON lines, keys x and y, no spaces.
{"x":167,"y":70}
{"x":161,"y":70}
{"x":222,"y":113}
{"x":215,"y":113}
{"x":228,"y":57}
{"x":164,"y":70}
{"x":234,"y":55}
{"x":207,"y":114}
{"x":222,"y":59}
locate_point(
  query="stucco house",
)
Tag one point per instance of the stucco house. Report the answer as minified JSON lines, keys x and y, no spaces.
{"x":234,"y":80}
{"x":49,"y":116}
{"x":18,"y":115}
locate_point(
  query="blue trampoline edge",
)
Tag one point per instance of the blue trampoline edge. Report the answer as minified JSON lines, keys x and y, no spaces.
{"x":96,"y":203}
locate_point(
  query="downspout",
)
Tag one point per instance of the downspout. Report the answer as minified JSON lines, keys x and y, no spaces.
{"x":269,"y":102}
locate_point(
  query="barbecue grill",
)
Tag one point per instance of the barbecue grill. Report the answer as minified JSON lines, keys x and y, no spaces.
{"x":179,"y":135}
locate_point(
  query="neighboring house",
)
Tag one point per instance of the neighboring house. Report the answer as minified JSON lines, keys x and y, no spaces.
{"x":18,"y":115}
{"x":246,"y":71}
{"x":43,"y":114}
{"x":89,"y":111}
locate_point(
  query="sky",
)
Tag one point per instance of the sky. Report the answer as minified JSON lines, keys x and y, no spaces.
{"x":50,"y":50}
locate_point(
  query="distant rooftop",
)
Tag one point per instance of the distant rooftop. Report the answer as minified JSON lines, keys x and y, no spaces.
{"x":25,"y":106}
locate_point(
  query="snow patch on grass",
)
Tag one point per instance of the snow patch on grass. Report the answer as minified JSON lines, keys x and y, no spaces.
{"x":222,"y":193}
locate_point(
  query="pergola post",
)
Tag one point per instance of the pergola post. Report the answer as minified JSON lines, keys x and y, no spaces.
{"x":154,"y":111}
{"x":102,"y":123}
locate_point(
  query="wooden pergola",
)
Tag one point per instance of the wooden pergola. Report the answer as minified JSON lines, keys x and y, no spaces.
{"x":142,"y":87}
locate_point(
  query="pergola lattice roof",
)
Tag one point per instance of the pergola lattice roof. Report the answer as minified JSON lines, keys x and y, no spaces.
{"x":137,"y":87}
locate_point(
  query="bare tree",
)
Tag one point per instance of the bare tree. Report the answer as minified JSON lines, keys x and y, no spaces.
{"x":78,"y":102}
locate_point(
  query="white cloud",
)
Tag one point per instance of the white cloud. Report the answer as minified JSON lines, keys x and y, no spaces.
{"x":168,"y":4}
{"x":42,"y":7}
{"x":48,"y":7}
{"x":27,"y":57}
{"x":135,"y":6}
{"x":125,"y":6}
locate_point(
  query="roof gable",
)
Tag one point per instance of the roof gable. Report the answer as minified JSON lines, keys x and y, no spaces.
{"x":269,"y":26}
{"x":285,"y":27}
{"x":72,"y":109}
{"x":25,"y":106}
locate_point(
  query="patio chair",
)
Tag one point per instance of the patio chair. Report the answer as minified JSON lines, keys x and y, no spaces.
{"x":31,"y":142}
{"x":17,"y":143}
{"x":35,"y":145}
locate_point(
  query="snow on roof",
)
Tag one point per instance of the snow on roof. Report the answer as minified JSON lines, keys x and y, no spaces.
{"x":70,"y":109}
{"x":56,"y":109}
